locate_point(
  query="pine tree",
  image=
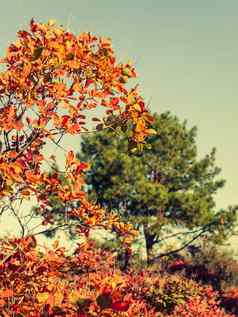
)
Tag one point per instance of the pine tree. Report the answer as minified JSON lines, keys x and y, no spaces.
{"x":166,"y":184}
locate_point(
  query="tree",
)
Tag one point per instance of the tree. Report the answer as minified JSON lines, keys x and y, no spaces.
{"x":166,"y":184}
{"x":49,"y":78}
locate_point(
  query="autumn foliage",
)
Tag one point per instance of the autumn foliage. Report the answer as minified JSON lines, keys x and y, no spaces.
{"x":50,"y":78}
{"x":46,"y":282}
{"x":49,"y":283}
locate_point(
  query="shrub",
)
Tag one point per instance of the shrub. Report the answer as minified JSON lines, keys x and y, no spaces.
{"x":229,"y":300}
{"x":205,"y":305}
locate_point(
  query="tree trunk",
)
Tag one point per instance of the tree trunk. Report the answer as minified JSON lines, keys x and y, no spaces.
{"x":150,"y":240}
{"x":123,"y":258}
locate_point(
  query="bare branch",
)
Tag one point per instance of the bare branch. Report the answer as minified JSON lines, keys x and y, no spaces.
{"x":184,"y":246}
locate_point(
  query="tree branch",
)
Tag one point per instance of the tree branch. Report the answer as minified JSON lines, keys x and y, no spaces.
{"x":51,"y":229}
{"x":184,"y":246}
{"x":19,"y":220}
{"x":184,"y":233}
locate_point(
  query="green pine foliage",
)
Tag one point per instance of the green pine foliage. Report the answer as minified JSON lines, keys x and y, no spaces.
{"x":165,"y":184}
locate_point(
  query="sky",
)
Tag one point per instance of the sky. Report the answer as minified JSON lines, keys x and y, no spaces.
{"x":185,"y":52}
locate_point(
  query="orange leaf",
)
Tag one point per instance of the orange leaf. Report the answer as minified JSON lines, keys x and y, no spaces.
{"x":7,"y":293}
{"x":70,"y":158}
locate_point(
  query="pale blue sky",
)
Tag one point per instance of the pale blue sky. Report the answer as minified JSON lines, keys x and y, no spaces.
{"x":186,"y":55}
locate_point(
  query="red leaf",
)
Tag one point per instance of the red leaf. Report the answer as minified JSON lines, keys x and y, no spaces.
{"x":120,"y":306}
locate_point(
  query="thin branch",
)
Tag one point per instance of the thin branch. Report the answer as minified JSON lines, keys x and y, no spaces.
{"x":5,"y":207}
{"x":19,"y":220}
{"x":184,"y":246}
{"x":182,"y":233}
{"x":58,"y":141}
{"x":51,"y":229}
{"x":8,"y":255}
{"x":201,"y":230}
{"x":33,"y":137}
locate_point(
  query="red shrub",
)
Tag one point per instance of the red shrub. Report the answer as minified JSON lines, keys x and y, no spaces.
{"x":205,"y":305}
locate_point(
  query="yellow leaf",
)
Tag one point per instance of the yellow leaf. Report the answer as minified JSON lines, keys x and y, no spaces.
{"x":42,"y":297}
{"x":51,"y":22}
{"x":74,"y":296}
{"x":151,"y":131}
{"x":131,"y":99}
{"x":137,"y":107}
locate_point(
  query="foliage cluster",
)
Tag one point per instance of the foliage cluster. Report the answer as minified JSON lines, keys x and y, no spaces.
{"x":40,"y":283}
{"x":208,"y":266}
